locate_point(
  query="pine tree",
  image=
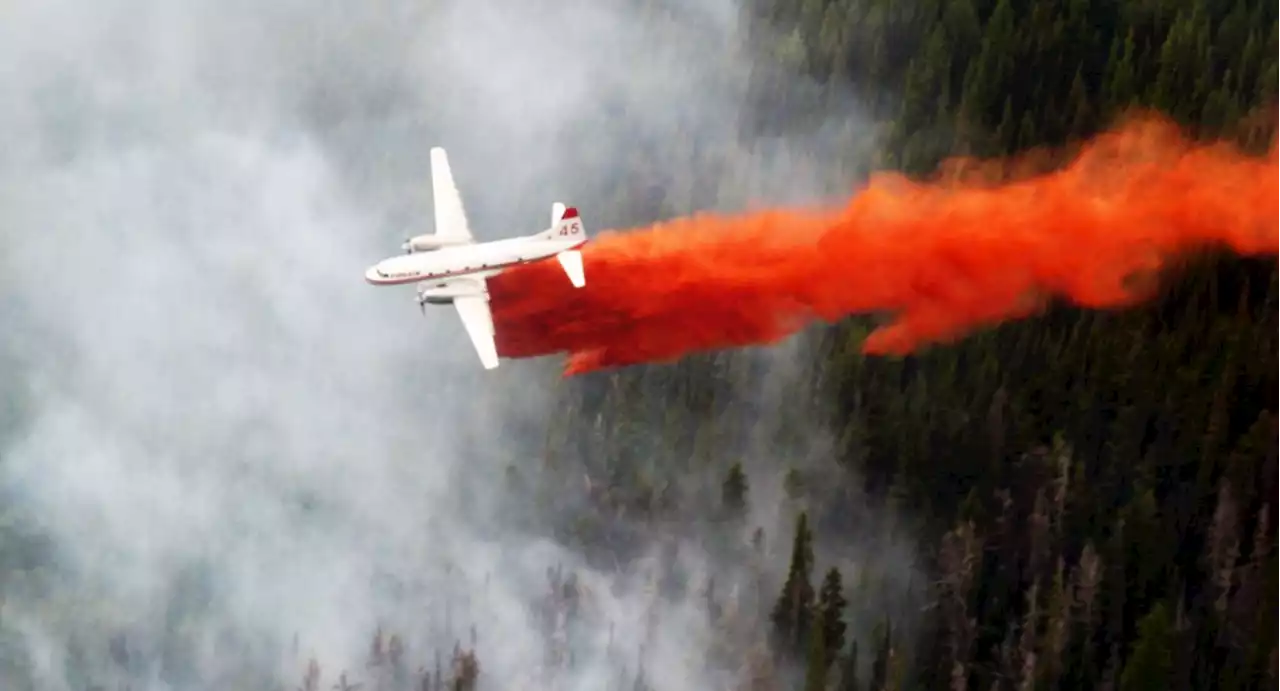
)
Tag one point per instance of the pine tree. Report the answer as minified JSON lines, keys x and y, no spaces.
{"x":849,"y":676}
{"x":882,"y":636}
{"x":793,"y":612}
{"x":831,"y":604}
{"x":733,"y":492}
{"x":1149,"y":665}
{"x":815,"y":678}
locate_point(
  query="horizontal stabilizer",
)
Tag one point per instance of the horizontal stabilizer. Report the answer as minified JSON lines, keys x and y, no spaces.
{"x":571,"y":260}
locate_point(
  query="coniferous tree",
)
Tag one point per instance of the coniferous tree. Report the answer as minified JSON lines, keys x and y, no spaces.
{"x":1151,"y":662}
{"x":733,"y":492}
{"x":849,"y":675}
{"x":793,"y":612}
{"x":882,"y":637}
{"x":815,"y":678}
{"x":831,"y":604}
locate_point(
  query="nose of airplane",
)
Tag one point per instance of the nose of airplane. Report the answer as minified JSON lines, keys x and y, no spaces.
{"x":371,"y":275}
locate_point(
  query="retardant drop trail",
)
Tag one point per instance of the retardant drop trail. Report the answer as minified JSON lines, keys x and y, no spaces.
{"x":944,"y":257}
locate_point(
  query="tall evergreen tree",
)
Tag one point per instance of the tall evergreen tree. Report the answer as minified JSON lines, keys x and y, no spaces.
{"x":1151,"y":662}
{"x":882,"y":636}
{"x":793,"y":613}
{"x":831,"y":604}
{"x":849,"y":675}
{"x":733,"y":491}
{"x":815,"y":678}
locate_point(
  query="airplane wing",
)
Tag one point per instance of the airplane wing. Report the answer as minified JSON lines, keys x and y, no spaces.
{"x":451,"y":218}
{"x":478,"y":320}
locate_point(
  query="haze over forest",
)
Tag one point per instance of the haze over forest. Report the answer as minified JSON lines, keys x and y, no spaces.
{"x":226,"y":460}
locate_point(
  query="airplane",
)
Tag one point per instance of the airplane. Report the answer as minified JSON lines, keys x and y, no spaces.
{"x":452,"y":268}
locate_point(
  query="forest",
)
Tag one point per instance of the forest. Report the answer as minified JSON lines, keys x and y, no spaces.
{"x":1098,"y":489}
{"x":1091,"y":494}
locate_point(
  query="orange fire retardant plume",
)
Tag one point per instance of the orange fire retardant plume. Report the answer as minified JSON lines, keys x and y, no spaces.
{"x":945,"y":256}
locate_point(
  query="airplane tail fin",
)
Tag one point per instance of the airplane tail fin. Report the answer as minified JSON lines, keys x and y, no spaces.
{"x":566,"y":224}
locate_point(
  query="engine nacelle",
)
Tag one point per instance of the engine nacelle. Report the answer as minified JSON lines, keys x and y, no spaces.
{"x":429,"y":242}
{"x":444,"y":293}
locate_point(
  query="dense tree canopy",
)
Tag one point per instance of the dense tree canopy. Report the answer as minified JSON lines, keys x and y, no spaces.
{"x":1109,"y":479}
{"x":1100,"y":486}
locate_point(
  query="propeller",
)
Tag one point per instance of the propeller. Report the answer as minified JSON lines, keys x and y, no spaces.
{"x":408,"y":248}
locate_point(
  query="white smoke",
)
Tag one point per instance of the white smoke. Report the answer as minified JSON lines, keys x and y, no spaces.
{"x":213,"y":407}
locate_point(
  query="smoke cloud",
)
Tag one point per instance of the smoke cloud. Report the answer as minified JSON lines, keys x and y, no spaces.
{"x":944,"y":257}
{"x":215,"y":436}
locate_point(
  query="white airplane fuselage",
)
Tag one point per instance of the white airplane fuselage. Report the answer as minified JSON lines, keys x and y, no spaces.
{"x":478,"y":261}
{"x":451,"y":268}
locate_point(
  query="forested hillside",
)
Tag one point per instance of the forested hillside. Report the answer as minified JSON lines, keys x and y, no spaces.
{"x":1078,"y":500}
{"x":1096,"y":490}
